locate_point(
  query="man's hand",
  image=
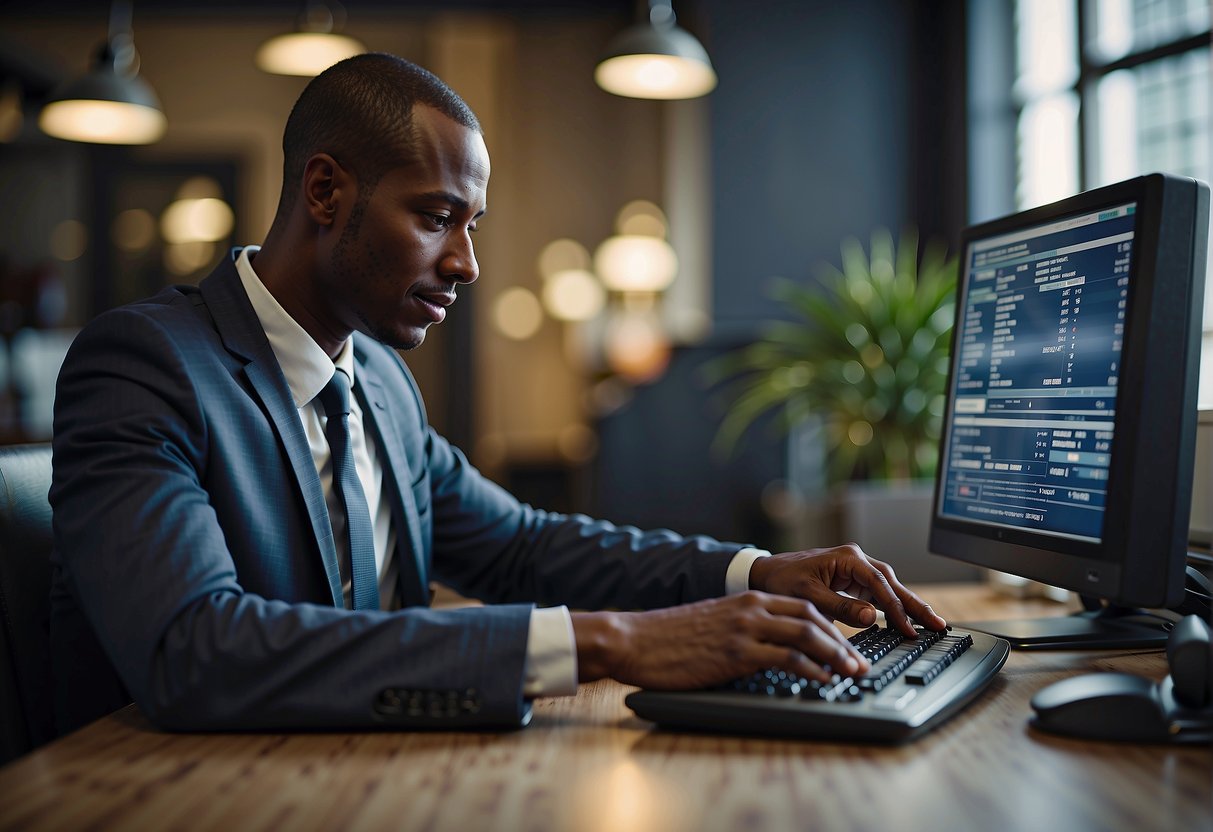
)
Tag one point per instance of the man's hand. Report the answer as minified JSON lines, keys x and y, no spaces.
{"x":710,"y":642}
{"x":819,"y":575}
{"x":789,"y":624}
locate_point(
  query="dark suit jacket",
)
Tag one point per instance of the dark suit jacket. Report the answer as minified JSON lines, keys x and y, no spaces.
{"x":195,"y":569}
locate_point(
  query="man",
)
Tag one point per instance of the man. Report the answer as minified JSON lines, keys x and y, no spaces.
{"x":243,"y":543}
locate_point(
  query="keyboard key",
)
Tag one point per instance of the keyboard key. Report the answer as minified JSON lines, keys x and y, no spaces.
{"x":898,"y":703}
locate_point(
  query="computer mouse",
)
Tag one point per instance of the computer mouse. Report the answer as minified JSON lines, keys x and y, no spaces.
{"x":1103,"y":706}
{"x":1190,"y":657}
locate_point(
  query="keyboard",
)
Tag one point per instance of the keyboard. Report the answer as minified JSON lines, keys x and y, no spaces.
{"x":913,"y":686}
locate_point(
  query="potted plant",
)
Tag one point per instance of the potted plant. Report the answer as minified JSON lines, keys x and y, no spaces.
{"x":864,"y":352}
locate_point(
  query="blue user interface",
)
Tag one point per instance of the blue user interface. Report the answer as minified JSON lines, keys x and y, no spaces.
{"x":1038,"y":355}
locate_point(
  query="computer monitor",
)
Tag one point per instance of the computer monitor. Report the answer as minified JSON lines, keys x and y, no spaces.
{"x":1070,"y":418}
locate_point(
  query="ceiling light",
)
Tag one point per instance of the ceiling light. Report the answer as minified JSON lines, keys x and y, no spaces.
{"x":642,"y":218}
{"x":313,"y":48}
{"x":656,"y":60}
{"x":517,"y":313}
{"x":573,"y":295}
{"x":197,"y":220}
{"x":562,"y":255}
{"x":111,"y":104}
{"x":630,"y":263}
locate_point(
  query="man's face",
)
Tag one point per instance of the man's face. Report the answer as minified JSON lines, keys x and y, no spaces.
{"x":401,"y":253}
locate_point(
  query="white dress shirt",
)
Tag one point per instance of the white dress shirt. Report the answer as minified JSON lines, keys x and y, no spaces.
{"x":551,"y":654}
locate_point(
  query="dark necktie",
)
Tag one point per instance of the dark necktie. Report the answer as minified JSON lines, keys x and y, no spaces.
{"x":335,"y":397}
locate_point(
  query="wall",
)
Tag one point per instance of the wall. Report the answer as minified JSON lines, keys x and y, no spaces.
{"x":811,"y":129}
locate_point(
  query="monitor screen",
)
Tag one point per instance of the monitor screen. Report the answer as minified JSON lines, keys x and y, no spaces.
{"x":1067,"y":448}
{"x":1033,"y":399}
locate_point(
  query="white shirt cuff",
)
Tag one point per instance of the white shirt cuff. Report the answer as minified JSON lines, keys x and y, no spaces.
{"x":737,"y":578}
{"x":551,"y":654}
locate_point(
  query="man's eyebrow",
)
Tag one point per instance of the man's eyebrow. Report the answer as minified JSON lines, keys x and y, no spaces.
{"x":454,"y":199}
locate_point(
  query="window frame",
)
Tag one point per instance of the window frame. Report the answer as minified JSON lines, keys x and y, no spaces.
{"x":995,"y":109}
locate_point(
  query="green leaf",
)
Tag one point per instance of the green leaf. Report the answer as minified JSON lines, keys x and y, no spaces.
{"x":867,"y":342}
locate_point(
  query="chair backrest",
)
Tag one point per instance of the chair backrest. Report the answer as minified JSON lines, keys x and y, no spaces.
{"x":26,"y":715}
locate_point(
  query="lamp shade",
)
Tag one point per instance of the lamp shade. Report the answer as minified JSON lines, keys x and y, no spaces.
{"x":305,"y":53}
{"x":656,"y":60}
{"x":109,"y":105}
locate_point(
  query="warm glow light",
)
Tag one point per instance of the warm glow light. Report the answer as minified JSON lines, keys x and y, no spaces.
{"x":200,"y":187}
{"x":573,"y":295}
{"x":517,"y":314}
{"x":577,"y":443}
{"x":636,"y":264}
{"x":641,"y":218}
{"x":11,"y":117}
{"x":636,"y":346}
{"x":69,"y":239}
{"x":133,"y":230}
{"x":102,"y":122}
{"x":305,"y":53}
{"x":655,"y":76}
{"x":196,"y":220}
{"x":187,"y":258}
{"x":562,"y":255}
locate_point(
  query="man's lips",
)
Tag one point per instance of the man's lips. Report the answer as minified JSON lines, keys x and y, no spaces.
{"x":435,"y":303}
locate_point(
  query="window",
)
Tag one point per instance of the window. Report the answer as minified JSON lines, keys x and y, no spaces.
{"x":1083,"y":93}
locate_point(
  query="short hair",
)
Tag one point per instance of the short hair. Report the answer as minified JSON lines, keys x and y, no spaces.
{"x":359,"y":111}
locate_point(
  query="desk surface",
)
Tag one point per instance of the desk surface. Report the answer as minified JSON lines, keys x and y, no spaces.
{"x":586,"y":763}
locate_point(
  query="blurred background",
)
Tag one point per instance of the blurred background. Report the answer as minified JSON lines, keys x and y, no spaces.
{"x":630,"y":248}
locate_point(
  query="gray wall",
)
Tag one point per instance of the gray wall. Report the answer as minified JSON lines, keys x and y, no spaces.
{"x":812,"y":133}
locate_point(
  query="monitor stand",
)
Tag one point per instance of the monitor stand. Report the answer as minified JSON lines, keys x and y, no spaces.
{"x":1099,"y":626}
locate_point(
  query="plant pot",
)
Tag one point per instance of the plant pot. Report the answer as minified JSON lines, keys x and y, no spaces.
{"x":891,"y":520}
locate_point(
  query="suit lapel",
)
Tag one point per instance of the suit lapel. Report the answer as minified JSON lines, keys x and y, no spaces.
{"x":243,"y":335}
{"x":409,"y":550}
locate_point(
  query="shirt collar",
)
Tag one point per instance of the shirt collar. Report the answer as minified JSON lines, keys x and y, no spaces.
{"x":305,"y":365}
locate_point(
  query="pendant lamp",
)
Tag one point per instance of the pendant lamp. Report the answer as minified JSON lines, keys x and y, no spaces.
{"x":313,"y":48}
{"x":657,"y":59}
{"x":111,"y":104}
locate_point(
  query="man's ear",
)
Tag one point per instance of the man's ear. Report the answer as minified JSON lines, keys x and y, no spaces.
{"x":325,"y":185}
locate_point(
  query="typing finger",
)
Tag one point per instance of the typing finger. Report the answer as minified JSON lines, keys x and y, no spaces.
{"x":811,"y":611}
{"x":808,"y":622}
{"x":809,"y":638}
{"x":912,"y":603}
{"x":876,"y":585}
{"x":853,"y":611}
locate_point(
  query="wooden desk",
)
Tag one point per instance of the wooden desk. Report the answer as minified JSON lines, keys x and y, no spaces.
{"x":586,"y":763}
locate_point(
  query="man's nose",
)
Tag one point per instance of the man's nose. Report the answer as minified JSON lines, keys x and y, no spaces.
{"x":460,"y":263}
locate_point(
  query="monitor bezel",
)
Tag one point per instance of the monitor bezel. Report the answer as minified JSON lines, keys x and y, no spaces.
{"x":1149,"y":474}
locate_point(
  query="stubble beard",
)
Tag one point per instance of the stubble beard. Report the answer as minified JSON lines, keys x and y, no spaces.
{"x":350,"y":276}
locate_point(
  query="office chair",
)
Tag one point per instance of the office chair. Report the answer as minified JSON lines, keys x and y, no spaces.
{"x":26,"y":717}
